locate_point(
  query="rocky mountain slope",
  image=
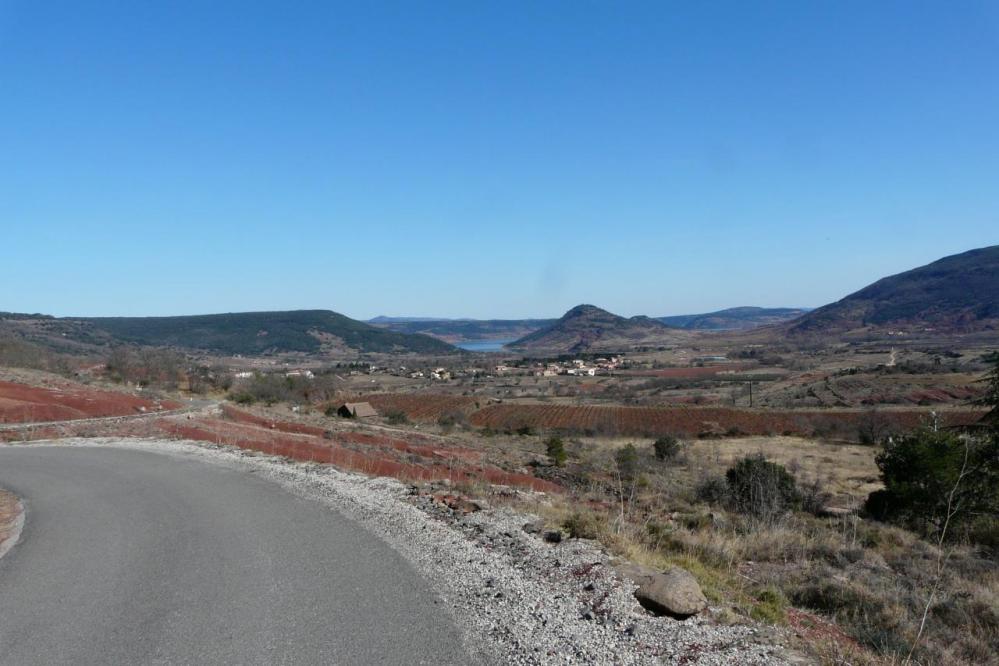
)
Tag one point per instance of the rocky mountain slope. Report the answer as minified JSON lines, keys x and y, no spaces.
{"x":959,"y":293}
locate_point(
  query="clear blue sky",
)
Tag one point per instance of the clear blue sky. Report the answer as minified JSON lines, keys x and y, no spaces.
{"x":487,"y":159}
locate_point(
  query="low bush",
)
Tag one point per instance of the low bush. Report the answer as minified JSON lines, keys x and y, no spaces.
{"x":585,"y":525}
{"x":626,"y":461}
{"x":814,"y":497}
{"x":396,"y":417}
{"x":555,"y":450}
{"x":712,"y":489}
{"x":770,"y":607}
{"x":762,"y":489}
{"x":666,"y":448}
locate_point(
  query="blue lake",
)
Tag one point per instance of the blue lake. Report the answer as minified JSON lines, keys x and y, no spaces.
{"x":483,"y":345}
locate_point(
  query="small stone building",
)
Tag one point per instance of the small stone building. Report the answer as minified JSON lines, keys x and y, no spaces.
{"x":356,"y":410}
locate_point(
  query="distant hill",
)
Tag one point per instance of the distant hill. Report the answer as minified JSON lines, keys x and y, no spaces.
{"x":588,"y":328}
{"x":733,"y":319}
{"x":471,"y":330}
{"x":247,"y":333}
{"x":954,"y":294}
{"x":463,"y":330}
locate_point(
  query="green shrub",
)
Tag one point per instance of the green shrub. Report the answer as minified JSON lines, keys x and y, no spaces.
{"x":555,"y":449}
{"x":626,"y":459}
{"x":666,"y":448}
{"x":760,"y":488}
{"x":396,"y":417}
{"x":929,"y":474}
{"x":242,"y":398}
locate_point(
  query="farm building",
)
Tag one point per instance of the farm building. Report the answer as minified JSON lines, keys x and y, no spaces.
{"x":356,"y":410}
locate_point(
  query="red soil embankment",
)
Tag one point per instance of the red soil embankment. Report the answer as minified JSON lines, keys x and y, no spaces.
{"x":365,"y":452}
{"x":412,"y":443}
{"x":20,"y":403}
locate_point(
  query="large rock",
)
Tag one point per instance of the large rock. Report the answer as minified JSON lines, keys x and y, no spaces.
{"x":673,"y":592}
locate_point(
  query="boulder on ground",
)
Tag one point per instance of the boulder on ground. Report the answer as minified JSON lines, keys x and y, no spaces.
{"x":673,"y":592}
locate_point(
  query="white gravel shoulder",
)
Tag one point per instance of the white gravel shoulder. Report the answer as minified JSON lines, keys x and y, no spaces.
{"x":517,"y":599}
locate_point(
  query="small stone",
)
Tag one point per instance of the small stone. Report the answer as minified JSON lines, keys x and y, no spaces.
{"x":553,"y":536}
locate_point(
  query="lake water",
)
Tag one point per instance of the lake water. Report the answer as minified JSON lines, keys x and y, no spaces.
{"x":483,"y":345}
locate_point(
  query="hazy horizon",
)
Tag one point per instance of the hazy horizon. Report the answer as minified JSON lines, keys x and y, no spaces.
{"x":394,"y":316}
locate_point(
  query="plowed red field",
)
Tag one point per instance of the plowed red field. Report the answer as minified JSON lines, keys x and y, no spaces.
{"x":694,"y":421}
{"x":20,"y":403}
{"x":421,"y":407}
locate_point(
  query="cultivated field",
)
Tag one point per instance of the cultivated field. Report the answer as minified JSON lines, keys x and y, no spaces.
{"x":681,"y":420}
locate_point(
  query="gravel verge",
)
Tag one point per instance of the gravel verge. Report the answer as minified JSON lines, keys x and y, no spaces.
{"x":518,"y":599}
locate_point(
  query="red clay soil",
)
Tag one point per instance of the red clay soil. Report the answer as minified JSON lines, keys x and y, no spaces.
{"x":239,"y":416}
{"x":815,"y":629}
{"x":360,"y":451}
{"x":20,"y":403}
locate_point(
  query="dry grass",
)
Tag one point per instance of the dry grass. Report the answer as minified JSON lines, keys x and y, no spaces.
{"x":846,"y":470}
{"x":866,"y":583}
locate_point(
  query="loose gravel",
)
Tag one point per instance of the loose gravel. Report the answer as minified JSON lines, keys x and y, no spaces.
{"x":518,"y":599}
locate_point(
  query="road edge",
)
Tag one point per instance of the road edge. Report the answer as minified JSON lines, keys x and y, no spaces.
{"x":11,"y":520}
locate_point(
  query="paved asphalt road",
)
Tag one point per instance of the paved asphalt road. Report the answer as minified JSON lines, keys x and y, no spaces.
{"x":135,"y":557}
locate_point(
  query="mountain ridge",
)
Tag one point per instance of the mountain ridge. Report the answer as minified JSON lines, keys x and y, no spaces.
{"x":743,"y":317}
{"x":957,"y":293}
{"x":247,"y":333}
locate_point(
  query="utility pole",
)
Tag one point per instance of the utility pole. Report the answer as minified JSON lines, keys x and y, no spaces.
{"x":750,"y":393}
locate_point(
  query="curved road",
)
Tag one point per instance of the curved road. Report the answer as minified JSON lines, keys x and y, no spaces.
{"x":135,"y":557}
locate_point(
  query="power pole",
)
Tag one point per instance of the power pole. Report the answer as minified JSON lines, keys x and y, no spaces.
{"x":750,"y":393}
